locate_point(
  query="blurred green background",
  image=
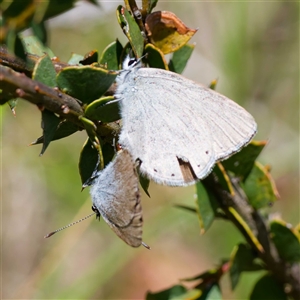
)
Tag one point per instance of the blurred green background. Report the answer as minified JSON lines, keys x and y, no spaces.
{"x":253,"y":50}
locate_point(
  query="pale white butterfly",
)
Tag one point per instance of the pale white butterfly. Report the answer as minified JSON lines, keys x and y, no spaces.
{"x":116,"y":198}
{"x":177,"y":129}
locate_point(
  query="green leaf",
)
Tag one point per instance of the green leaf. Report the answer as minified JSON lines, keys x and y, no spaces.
{"x":90,"y":128}
{"x":86,"y":83}
{"x":15,"y":44}
{"x":12,"y":9}
{"x":267,"y":288}
{"x":64,"y":129}
{"x":44,"y":71}
{"x":108,"y":152}
{"x":208,"y":276}
{"x":187,"y":208}
{"x":131,"y":30}
{"x":180,"y":58}
{"x":49,"y":124}
{"x":144,"y":182}
{"x":104,"y":110}
{"x":242,"y":162}
{"x":242,"y":259}
{"x":206,"y":205}
{"x":260,"y":187}
{"x":88,"y":161}
{"x":155,"y":57}
{"x":111,"y":55}
{"x":172,"y":293}
{"x":40,"y":31}
{"x":286,"y":241}
{"x":58,"y":7}
{"x":192,"y":294}
{"x":152,"y":5}
{"x":75,"y":59}
{"x":211,"y":292}
{"x":33,"y":45}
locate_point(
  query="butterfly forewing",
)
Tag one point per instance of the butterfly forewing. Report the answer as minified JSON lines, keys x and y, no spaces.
{"x":115,"y":194}
{"x":177,"y":128}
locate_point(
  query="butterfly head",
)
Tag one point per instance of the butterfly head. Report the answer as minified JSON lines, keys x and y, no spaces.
{"x":130,"y":63}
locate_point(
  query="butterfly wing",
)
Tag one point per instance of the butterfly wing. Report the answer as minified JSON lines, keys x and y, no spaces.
{"x":115,"y":194}
{"x":177,"y":128}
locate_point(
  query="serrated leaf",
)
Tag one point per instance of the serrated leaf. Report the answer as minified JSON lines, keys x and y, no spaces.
{"x":267,"y":288}
{"x":86,"y":83}
{"x":155,"y":57}
{"x":206,"y":205}
{"x":44,"y":71}
{"x":108,"y":153}
{"x":167,"y":32}
{"x":180,"y":58}
{"x":111,"y":55}
{"x":131,"y":30}
{"x":169,"y":294}
{"x":104,"y":109}
{"x":49,"y":124}
{"x":242,"y":259}
{"x":260,"y":187}
{"x":64,"y":129}
{"x":144,"y":182}
{"x":242,"y":162}
{"x":88,"y":161}
{"x":286,"y":242}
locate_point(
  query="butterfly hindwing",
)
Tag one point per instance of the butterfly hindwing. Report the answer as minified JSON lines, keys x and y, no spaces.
{"x":177,"y":128}
{"x":115,"y":194}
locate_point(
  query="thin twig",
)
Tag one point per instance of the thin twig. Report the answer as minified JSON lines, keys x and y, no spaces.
{"x":287,"y":275}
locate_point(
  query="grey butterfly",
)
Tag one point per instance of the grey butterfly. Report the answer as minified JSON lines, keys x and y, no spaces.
{"x":177,"y":129}
{"x":116,"y":197}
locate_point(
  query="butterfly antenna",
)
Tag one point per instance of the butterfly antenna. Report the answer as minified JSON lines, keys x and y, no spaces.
{"x":146,"y":246}
{"x":69,"y":225}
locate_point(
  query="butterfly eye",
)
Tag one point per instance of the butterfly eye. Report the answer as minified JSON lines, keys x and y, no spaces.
{"x":132,"y":61}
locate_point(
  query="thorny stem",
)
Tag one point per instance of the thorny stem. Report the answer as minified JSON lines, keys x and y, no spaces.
{"x":14,"y":85}
{"x":287,"y":275}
